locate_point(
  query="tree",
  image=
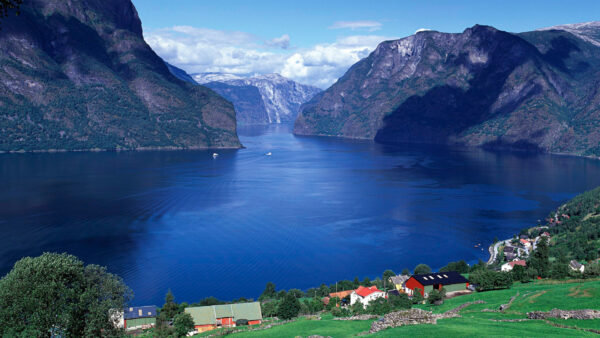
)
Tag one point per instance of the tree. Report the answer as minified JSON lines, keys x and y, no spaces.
{"x":460,"y":267}
{"x":518,"y":272}
{"x":400,"y":301}
{"x":281,"y":294}
{"x":296,"y":292}
{"x":356,"y":282}
{"x":269,"y":309}
{"x":208,"y":301}
{"x":57,"y":293}
{"x":540,"y":259}
{"x":323,"y":291}
{"x":405,"y":272}
{"x":436,"y":296}
{"x":560,"y":268}
{"x":289,"y":307}
{"x":269,"y":292}
{"x":357,"y":308}
{"x":170,"y":308}
{"x":386,"y":276}
{"x":366,"y":282}
{"x":417,"y":297}
{"x":183,"y":323}
{"x":379,"y":306}
{"x":422,"y":269}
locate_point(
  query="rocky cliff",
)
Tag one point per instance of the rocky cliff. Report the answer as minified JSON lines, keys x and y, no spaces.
{"x":278,"y":99}
{"x":77,"y":74}
{"x":482,"y":87}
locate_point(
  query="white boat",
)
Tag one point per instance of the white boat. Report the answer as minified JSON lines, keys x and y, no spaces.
{"x":215,"y":155}
{"x":268,"y":154}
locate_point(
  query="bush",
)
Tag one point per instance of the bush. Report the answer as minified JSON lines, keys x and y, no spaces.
{"x":183,"y":323}
{"x":289,"y":307}
{"x":337,"y":312}
{"x":436,"y":296}
{"x":379,"y":306}
{"x":491,"y":280}
{"x":269,"y":309}
{"x":357,"y":308}
{"x":400,"y":302}
{"x":417,"y":298}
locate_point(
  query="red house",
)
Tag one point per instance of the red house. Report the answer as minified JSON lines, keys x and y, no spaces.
{"x":450,"y":281}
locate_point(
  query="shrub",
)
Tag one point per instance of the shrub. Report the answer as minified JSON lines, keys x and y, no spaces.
{"x":289,"y":307}
{"x":436,"y":296}
{"x":379,"y":306}
{"x":400,"y":301}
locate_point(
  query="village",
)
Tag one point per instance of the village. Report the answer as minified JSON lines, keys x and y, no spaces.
{"x":207,"y":318}
{"x":506,"y":257}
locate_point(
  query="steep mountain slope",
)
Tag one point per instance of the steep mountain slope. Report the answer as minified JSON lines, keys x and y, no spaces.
{"x":203,"y":78}
{"x":247,"y":100}
{"x":78,"y":75}
{"x":281,"y":97}
{"x":180,"y":73}
{"x":589,"y":31}
{"x":482,"y":87}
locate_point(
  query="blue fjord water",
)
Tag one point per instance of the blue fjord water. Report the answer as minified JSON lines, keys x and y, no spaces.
{"x":317,"y":210}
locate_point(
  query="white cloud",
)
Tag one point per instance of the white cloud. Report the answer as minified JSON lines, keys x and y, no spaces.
{"x":199,"y":50}
{"x":282,"y":42}
{"x":353,"y":25}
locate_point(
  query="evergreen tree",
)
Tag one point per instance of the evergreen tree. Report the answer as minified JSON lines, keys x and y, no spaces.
{"x":269,"y":292}
{"x":289,"y":307}
{"x":170,"y":308}
{"x":540,"y":259}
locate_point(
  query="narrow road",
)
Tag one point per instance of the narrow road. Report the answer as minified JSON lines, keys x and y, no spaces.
{"x":494,"y":251}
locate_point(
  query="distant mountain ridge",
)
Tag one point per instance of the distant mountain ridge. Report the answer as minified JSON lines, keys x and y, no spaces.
{"x":281,"y":97}
{"x":78,"y":75}
{"x":482,"y":87}
{"x":588,"y":31}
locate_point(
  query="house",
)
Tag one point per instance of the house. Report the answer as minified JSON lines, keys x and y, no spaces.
{"x":340,"y":295}
{"x":139,"y":317}
{"x":510,"y":256}
{"x":576,"y":266}
{"x":525,"y":242}
{"x":510,"y":265}
{"x":208,"y":318}
{"x":450,"y":280}
{"x":399,"y":281}
{"x":365,"y":295}
{"x":509,"y":249}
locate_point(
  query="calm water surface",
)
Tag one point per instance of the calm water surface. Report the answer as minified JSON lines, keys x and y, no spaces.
{"x":317,"y":210}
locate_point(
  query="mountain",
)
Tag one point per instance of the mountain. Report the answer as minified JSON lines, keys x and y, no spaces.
{"x":281,"y":98}
{"x":482,"y":87}
{"x":203,"y":78}
{"x":77,"y":75}
{"x":588,"y":31}
{"x":180,"y":73}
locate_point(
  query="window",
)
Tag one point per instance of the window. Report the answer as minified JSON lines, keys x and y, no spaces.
{"x":446,"y":276}
{"x":440,"y":277}
{"x":425,"y":278}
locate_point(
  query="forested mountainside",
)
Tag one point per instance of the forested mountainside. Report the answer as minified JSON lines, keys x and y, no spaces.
{"x":78,"y":75}
{"x":482,"y":87}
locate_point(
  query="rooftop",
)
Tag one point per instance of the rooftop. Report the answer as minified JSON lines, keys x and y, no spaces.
{"x":139,"y":312}
{"x":444,"y":278}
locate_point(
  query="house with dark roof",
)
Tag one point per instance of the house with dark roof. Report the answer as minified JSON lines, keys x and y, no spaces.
{"x":208,"y":318}
{"x":139,"y":317}
{"x":576,"y":266}
{"x":450,"y":281}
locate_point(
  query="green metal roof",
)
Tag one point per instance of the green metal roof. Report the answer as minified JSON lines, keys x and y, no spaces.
{"x":249,"y":311}
{"x":223,"y":311}
{"x":202,"y":315}
{"x":205,"y":315}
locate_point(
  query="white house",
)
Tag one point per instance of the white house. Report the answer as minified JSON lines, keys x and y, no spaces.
{"x":506,"y":267}
{"x":576,"y":266}
{"x":365,"y":295}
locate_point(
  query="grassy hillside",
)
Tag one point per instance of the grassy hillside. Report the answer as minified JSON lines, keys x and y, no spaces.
{"x":539,"y":296}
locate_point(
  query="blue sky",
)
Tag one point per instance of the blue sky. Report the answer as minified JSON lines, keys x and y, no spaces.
{"x":316,"y":41}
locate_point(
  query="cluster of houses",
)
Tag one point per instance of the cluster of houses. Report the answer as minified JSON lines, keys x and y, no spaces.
{"x":451,"y":281}
{"x":205,"y":318}
{"x":208,"y":318}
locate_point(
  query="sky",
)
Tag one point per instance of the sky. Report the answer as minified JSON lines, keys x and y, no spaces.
{"x":315,"y":42}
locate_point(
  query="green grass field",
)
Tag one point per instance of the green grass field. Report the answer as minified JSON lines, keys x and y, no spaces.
{"x":538,"y":296}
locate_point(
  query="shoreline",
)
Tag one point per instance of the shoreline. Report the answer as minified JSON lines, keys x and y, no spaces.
{"x":116,"y":150}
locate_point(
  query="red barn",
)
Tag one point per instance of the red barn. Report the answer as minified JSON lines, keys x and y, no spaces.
{"x":450,"y":281}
